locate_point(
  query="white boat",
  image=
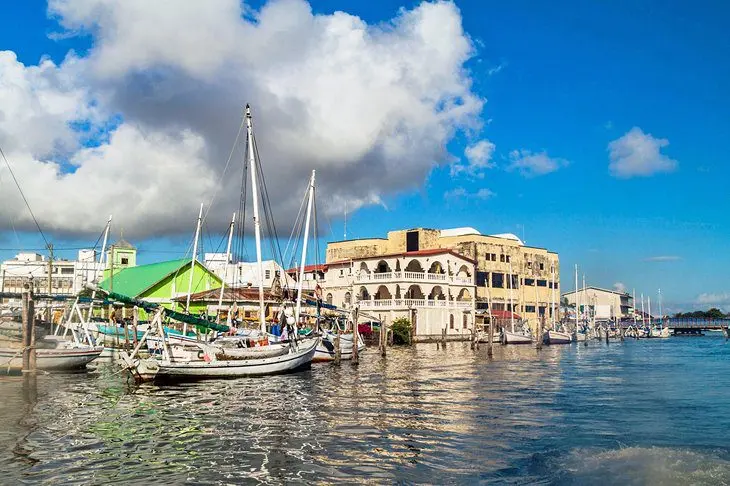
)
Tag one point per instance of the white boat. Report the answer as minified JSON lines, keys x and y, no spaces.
{"x":659,"y":332}
{"x":557,"y":337}
{"x":296,"y":358}
{"x":63,"y":356}
{"x":326,"y":346}
{"x":580,"y":336}
{"x":515,"y":338}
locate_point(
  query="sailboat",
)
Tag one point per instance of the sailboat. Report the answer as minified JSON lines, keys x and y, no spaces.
{"x":211,"y":360}
{"x":521,"y":336}
{"x":557,"y":335}
{"x":659,"y":330}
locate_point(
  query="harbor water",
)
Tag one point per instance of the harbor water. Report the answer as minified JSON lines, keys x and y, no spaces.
{"x":634,"y":412}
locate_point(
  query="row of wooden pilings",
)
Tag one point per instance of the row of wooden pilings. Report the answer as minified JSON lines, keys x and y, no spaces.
{"x":382,"y":340}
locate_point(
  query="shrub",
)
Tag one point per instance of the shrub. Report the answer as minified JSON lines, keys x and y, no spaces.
{"x":401,"y":328}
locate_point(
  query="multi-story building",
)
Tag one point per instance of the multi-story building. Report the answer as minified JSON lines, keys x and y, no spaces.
{"x":602,"y":303}
{"x":502,"y":271}
{"x":244,"y":274}
{"x":68,"y":277}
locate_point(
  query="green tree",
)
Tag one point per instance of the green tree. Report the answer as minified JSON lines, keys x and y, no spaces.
{"x":401,"y":328}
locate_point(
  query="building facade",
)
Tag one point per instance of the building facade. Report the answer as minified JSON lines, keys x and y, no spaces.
{"x":67,"y":277}
{"x":506,"y":274}
{"x":602,"y":303}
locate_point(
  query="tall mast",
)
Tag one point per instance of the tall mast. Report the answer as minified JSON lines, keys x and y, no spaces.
{"x":298,"y":311}
{"x":648,"y":303}
{"x":661,"y":316}
{"x":577,"y":300}
{"x":552,"y":294}
{"x":511,"y":304}
{"x":225,"y":268}
{"x":256,"y":221}
{"x":192,"y":266}
{"x":643,"y":315}
{"x":102,"y":259}
{"x":586,"y":302}
{"x":634,"y":306}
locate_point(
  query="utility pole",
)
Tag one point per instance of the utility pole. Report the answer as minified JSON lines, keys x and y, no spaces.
{"x":50,"y":280}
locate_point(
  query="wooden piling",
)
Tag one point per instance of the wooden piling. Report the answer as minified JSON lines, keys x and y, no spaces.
{"x":355,"y":337}
{"x":490,"y":344}
{"x":338,"y":351}
{"x":383,"y":337}
{"x":28,"y":323}
{"x":606,"y":334}
{"x":135,"y":323}
{"x":540,"y":331}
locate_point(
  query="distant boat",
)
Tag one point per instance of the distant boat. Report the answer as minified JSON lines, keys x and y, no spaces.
{"x":51,"y":355}
{"x":557,"y":337}
{"x":326,"y":347}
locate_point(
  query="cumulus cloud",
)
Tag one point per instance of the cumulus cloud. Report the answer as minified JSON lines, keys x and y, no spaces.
{"x":461,"y":193}
{"x":663,"y":258}
{"x":478,"y":157}
{"x":619,"y":287}
{"x":638,"y":154}
{"x":531,"y":164}
{"x":720,"y":298}
{"x":141,"y":126}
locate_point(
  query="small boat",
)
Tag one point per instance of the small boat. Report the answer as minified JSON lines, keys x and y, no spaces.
{"x":208,"y":361}
{"x":326,"y":347}
{"x":51,"y":355}
{"x":515,"y":338}
{"x":556,"y":337}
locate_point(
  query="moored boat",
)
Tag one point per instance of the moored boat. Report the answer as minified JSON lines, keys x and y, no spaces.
{"x":58,"y":356}
{"x":556,"y":337}
{"x":326,"y":347}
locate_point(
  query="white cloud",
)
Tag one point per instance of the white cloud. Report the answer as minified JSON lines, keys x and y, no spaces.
{"x":371,"y":107}
{"x":461,"y":193}
{"x":721,"y":298}
{"x":638,"y":154}
{"x":663,"y":258}
{"x":495,"y":70}
{"x":619,"y":287}
{"x":478,"y":157}
{"x":534,"y":164}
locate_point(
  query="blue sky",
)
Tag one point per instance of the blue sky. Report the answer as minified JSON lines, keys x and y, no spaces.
{"x":564,"y":79}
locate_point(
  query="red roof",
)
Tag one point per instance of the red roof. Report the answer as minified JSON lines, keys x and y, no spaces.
{"x":503,"y":314}
{"x":308,"y":269}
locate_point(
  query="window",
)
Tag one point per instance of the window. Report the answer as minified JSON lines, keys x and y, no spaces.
{"x":329,"y":298}
{"x":542,"y":283}
{"x":412,"y":241}
{"x":529,"y":265}
{"x":465,"y":321}
{"x":515,"y":281}
{"x":507,"y":258}
{"x":125,"y":261}
{"x":267,"y":274}
{"x":348,"y":298}
{"x":342,"y":272}
{"x":530,"y":281}
{"x":542,"y":266}
{"x":451,"y":321}
{"x":67,"y":271}
{"x":501,"y":257}
{"x":494,"y":257}
{"x":498,"y":280}
{"x":482,"y":279}
{"x":529,"y":308}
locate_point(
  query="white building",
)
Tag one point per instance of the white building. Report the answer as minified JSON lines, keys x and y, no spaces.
{"x":68,"y":277}
{"x":603,"y":303}
{"x":433,"y":288}
{"x":243,"y":274}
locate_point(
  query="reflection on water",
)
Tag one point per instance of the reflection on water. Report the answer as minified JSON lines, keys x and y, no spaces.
{"x":647,"y":412}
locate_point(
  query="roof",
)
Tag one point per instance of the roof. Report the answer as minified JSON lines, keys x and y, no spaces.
{"x":503,"y":314}
{"x":428,"y":252}
{"x":464,"y":230}
{"x":509,"y":236}
{"x":133,"y":281}
{"x":237,"y":294}
{"x":309,"y":269}
{"x":123,"y":244}
{"x":625,"y":294}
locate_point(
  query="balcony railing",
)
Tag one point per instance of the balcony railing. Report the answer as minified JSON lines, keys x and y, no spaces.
{"x":364,"y":277}
{"x":410,"y":303}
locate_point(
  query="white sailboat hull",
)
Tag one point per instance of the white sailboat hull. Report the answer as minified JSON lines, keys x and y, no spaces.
{"x":515,"y":338}
{"x":580,"y":336}
{"x":200,"y":369}
{"x":557,"y":337}
{"x":51,"y":359}
{"x":659,"y":333}
{"x":326,"y":348}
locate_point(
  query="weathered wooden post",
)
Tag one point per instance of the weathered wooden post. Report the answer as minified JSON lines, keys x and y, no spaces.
{"x":607,"y":329}
{"x":490,"y":344}
{"x":338,"y":351}
{"x":355,"y":337}
{"x":28,"y":320}
{"x":383,"y":337}
{"x":540,"y":328}
{"x":443,"y":338}
{"x":135,"y":323}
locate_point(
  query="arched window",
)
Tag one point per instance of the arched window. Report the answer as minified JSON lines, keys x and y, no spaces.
{"x":348,"y":298}
{"x":451,"y":321}
{"x":329,"y":298}
{"x":466,"y":321}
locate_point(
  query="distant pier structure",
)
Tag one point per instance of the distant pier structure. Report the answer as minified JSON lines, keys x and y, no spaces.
{"x":692,"y":326}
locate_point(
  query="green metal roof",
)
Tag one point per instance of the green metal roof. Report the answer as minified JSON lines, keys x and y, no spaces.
{"x":133,"y":281}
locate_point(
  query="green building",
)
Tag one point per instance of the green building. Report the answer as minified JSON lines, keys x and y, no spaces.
{"x":163,"y":282}
{"x":120,"y":255}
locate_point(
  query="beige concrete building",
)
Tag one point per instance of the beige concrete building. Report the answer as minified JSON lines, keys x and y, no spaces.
{"x":603,"y":303}
{"x":501,"y":269}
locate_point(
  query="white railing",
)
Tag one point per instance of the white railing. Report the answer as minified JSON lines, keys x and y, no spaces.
{"x":436,"y":276}
{"x":414,"y":275}
{"x":409,"y":303}
{"x":364,"y":277}
{"x":463,"y":280}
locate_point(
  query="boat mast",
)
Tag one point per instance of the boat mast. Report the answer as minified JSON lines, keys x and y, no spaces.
{"x":511,"y":304}
{"x":634,"y":306}
{"x":256,"y":221}
{"x":192,"y":266}
{"x":225,"y":268}
{"x":643,"y":315}
{"x":648,"y":303}
{"x":102,"y":259}
{"x":586,"y":302}
{"x":577,"y":301}
{"x":661,"y":316}
{"x":552,"y":294}
{"x":298,"y":310}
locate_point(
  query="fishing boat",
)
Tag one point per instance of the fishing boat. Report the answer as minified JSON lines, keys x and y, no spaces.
{"x":557,"y":337}
{"x":51,"y":355}
{"x":326,"y":348}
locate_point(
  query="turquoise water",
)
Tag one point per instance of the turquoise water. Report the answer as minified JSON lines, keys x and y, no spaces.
{"x":637,"y":412}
